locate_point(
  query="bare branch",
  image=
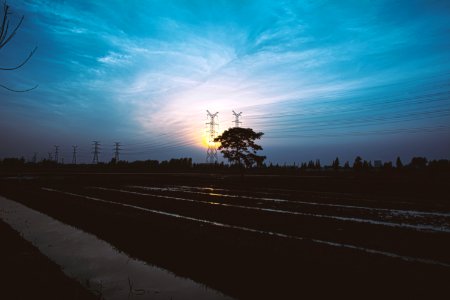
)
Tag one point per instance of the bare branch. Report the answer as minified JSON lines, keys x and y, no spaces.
{"x":5,"y":18}
{"x":7,"y":39}
{"x":21,"y":64}
{"x":18,"y":91}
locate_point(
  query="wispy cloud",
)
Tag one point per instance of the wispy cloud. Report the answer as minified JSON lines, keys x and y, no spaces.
{"x":114,"y":58}
{"x":160,"y":65}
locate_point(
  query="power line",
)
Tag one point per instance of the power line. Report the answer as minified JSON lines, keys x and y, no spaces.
{"x":168,"y":146}
{"x":345,"y":123}
{"x":434,"y":82}
{"x":363,"y":133}
{"x":376,"y":104}
{"x":211,"y":153}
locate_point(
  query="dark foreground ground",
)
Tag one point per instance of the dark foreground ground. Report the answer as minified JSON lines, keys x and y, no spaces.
{"x":271,"y":237}
{"x":27,"y":274}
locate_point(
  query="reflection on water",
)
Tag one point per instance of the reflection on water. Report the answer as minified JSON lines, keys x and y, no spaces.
{"x":95,"y":263}
{"x":262,"y":232}
{"x":391,"y":210}
{"x":416,"y":220}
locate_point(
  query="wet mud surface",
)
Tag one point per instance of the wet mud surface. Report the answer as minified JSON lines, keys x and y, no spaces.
{"x":262,"y":237}
{"x":28,"y":274}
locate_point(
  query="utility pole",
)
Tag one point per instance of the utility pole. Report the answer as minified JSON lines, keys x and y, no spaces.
{"x":56,"y":153}
{"x":236,"y":118}
{"x":116,"y":151}
{"x":74,"y":154}
{"x":211,"y":153}
{"x":96,"y":151}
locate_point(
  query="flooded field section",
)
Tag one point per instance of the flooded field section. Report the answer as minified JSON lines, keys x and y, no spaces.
{"x":256,"y":241}
{"x":99,"y":267}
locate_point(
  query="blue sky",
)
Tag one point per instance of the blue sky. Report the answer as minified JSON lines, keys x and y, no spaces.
{"x":320,"y":78}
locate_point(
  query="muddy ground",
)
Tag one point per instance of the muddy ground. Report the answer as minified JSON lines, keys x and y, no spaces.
{"x":27,"y":274}
{"x":266,"y":237}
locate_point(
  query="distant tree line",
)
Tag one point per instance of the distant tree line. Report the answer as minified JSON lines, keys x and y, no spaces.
{"x":358,"y":165}
{"x":174,"y":163}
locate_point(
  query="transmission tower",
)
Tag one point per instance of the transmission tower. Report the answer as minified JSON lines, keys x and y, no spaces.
{"x":34,"y":159}
{"x":116,"y":151}
{"x":74,"y":154}
{"x":213,"y":124}
{"x":236,"y":118}
{"x":56,"y":153}
{"x":96,"y":151}
{"x":50,"y":156}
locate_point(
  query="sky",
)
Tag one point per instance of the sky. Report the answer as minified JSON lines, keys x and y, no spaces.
{"x":320,"y":78}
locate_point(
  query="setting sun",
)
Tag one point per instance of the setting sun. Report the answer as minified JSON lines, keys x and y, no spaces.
{"x":198,"y":149}
{"x":205,"y":143}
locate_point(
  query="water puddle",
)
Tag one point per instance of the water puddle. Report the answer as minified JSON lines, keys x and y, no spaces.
{"x":257,"y":231}
{"x":411,"y":216}
{"x":95,"y":263}
{"x":215,"y":189}
{"x":284,"y":192}
{"x":391,"y":210}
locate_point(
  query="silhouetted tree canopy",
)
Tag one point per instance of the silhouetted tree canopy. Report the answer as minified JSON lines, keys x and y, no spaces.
{"x":399,"y":163}
{"x":367,"y":165}
{"x":238,"y":146}
{"x":317,"y":164}
{"x":336,"y":163}
{"x":7,"y":32}
{"x":358,"y":164}
{"x":418,"y":162}
{"x":387,"y":165}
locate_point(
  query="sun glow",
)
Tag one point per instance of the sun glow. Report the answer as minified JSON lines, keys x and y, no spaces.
{"x":205,"y":143}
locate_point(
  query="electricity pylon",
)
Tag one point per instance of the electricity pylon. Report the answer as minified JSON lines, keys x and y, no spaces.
{"x":56,"y":153}
{"x":236,"y":118}
{"x":211,"y":153}
{"x":116,"y":151}
{"x":96,"y":151}
{"x":74,"y":155}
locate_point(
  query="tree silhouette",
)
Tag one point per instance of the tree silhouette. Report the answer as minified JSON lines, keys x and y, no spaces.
{"x":317,"y":165}
{"x":387,"y":165}
{"x":238,"y":146}
{"x":367,"y":165}
{"x":6,"y":35}
{"x":347,"y":165}
{"x":418,"y":162}
{"x":358,"y":164}
{"x":399,"y":163}
{"x":336,"y":163}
